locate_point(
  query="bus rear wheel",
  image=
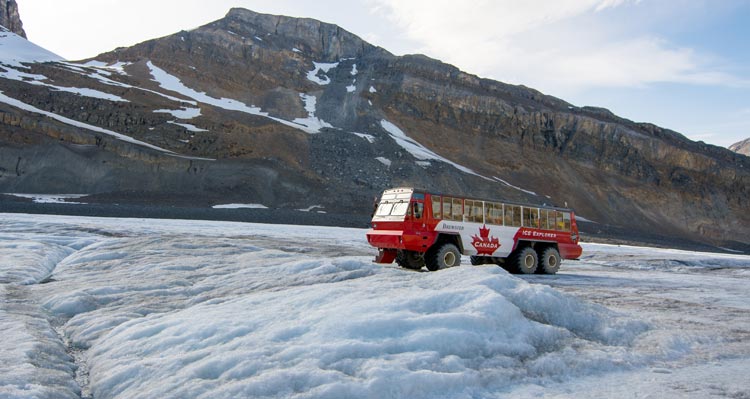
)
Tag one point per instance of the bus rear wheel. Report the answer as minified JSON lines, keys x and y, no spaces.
{"x":447,"y":255}
{"x":525,"y":261}
{"x":409,"y":260}
{"x":549,"y":263}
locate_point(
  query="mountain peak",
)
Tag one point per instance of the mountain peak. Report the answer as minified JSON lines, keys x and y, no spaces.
{"x":10,"y":18}
{"x":327,"y":42}
{"x":742,"y":147}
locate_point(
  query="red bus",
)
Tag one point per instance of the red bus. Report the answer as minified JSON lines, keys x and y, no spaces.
{"x":417,"y":228}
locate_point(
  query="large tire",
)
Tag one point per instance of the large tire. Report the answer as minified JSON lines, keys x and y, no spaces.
{"x":410,"y":260}
{"x":525,"y":261}
{"x":549,"y":261}
{"x":445,"y":256}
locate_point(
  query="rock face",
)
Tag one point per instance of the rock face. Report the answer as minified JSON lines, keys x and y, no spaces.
{"x":10,"y":18}
{"x":295,"y":113}
{"x":742,"y":147}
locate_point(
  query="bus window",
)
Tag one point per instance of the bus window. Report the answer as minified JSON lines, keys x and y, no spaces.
{"x":400,"y":209}
{"x":473,"y":211}
{"x":551,"y":219}
{"x":493,"y":213}
{"x":560,"y":221}
{"x":457,"y":211}
{"x":436,"y":207}
{"x":384,"y":209}
{"x":417,"y":208}
{"x":530,"y":217}
{"x":513,"y":215}
{"x":543,"y":219}
{"x":447,"y":201}
{"x":566,"y":219}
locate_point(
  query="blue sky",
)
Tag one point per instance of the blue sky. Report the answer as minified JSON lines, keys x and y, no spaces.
{"x":683,"y":65}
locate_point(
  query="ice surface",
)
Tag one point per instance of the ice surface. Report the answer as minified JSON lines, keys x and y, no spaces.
{"x":199,"y":309}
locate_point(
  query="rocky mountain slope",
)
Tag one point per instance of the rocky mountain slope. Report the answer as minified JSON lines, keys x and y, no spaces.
{"x":296,"y":113}
{"x":742,"y":147}
{"x":10,"y":18}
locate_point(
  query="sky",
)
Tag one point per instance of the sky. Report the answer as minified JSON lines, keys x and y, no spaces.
{"x":680,"y":64}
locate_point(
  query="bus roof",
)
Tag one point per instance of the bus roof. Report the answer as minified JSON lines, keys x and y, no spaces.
{"x":423,"y":191}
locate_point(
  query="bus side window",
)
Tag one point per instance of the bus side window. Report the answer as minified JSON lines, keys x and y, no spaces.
{"x":517,"y":216}
{"x":458,"y":210}
{"x":417,"y":209}
{"x":566,"y":219}
{"x":560,"y":221}
{"x":436,"y":214}
{"x":493,"y":213}
{"x":543,"y":219}
{"x":447,"y":201}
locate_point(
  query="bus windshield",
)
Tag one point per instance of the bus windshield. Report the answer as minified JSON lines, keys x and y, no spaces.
{"x":392,"y":209}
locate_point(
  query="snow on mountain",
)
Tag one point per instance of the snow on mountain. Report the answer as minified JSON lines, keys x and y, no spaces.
{"x":321,"y":68}
{"x":418,"y":150}
{"x":183,"y":309}
{"x":27,"y":107}
{"x":173,"y":83}
{"x":15,"y":50}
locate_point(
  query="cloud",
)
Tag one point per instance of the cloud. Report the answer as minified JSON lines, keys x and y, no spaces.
{"x":557,"y":46}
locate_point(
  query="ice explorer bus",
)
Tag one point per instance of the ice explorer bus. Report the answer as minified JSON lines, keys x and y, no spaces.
{"x":417,"y":228}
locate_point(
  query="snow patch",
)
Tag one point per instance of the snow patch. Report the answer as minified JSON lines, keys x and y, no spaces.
{"x":354,"y":70}
{"x":418,"y":150}
{"x":324,"y":67}
{"x":50,"y":198}
{"x":312,"y":123}
{"x":372,"y":90}
{"x":15,"y":50}
{"x":514,"y":187}
{"x":240,"y":206}
{"x":26,"y":107}
{"x":370,"y":138}
{"x":38,"y":80}
{"x":172,"y":83}
{"x":183,"y":113}
{"x":385,"y":161}
{"x":188,"y":127}
{"x":313,"y":209}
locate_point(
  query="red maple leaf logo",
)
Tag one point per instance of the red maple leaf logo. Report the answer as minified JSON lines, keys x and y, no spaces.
{"x":484,"y":244}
